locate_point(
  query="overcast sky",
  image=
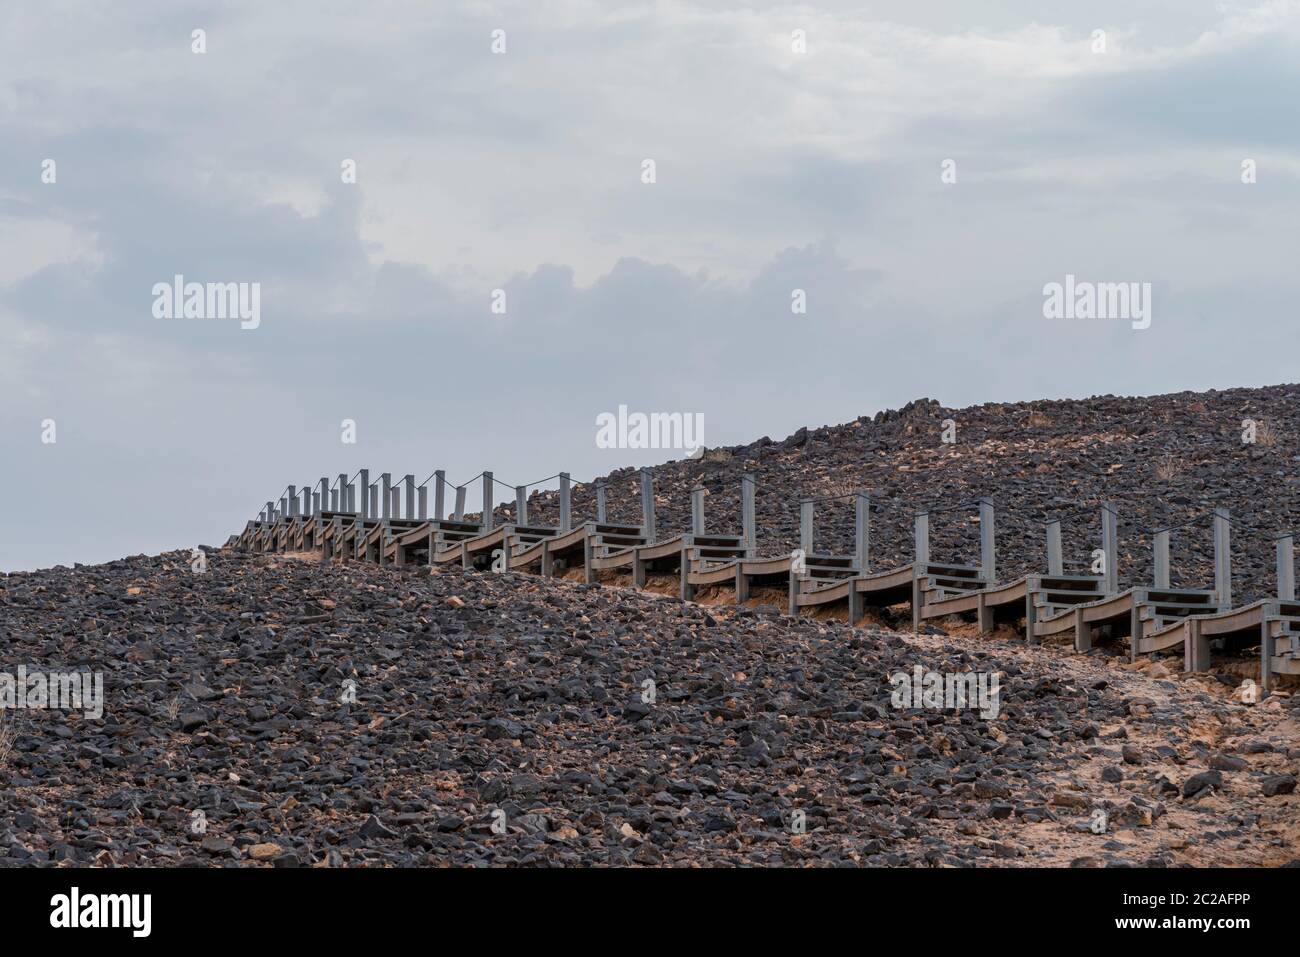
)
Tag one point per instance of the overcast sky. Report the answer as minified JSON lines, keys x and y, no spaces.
{"x":775,"y":170}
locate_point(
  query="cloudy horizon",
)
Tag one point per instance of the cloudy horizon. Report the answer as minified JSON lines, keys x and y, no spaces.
{"x":458,"y":246}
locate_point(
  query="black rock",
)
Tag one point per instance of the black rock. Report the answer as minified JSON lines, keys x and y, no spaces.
{"x":374,"y":828}
{"x":1200,"y":783}
{"x":1276,"y":784}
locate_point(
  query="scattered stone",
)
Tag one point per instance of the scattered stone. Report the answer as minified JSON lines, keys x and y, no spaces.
{"x":1203,"y":782}
{"x":374,"y":828}
{"x":519,"y":703}
{"x":1228,"y":762}
{"x":1275,"y":784}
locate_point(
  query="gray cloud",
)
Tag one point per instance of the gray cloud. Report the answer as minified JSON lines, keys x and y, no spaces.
{"x":521,"y":173}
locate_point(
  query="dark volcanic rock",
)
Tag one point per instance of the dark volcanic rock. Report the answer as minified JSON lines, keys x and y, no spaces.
{"x":1275,"y":784}
{"x":1200,"y":783}
{"x":513,"y":726}
{"x":1159,"y":459}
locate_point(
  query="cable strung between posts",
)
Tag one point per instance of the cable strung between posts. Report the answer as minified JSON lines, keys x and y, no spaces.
{"x":445,"y":483}
{"x":284,"y":493}
{"x":1173,"y":528}
{"x":833,"y":498}
{"x":577,"y":482}
{"x":1257,"y":531}
{"x":1071,"y":516}
{"x":948,"y":508}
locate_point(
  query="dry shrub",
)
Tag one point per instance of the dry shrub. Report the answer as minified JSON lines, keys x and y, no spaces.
{"x":7,"y":737}
{"x":836,"y":487}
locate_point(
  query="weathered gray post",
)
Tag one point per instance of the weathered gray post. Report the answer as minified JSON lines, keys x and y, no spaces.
{"x":1055,"y":559}
{"x":423,"y":499}
{"x":1031,"y":617}
{"x":324,"y":492}
{"x":921,"y":537}
{"x":742,"y":585}
{"x":1082,"y":632}
{"x":315,"y":503}
{"x":409,"y":482}
{"x":306,"y":500}
{"x":395,"y":509}
{"x":1135,"y":632}
{"x":862,"y":531}
{"x":600,"y":502}
{"x":487,"y":501}
{"x":374,"y":501}
{"x":988,"y":542}
{"x":697,"y":510}
{"x":521,"y":504}
{"x":344,"y":505}
{"x":1196,"y":647}
{"x":270,"y":511}
{"x":386,"y":494}
{"x":334,"y":499}
{"x":566,"y":502}
{"x":284,"y":505}
{"x":1286,"y":568}
{"x":1161,"y":545}
{"x":1222,"y":559}
{"x":439,"y":494}
{"x":459,"y":514}
{"x":1265,"y":657}
{"x":293,"y":501}
{"x":748,"y":524}
{"x":1109,"y":550}
{"x":921,"y":547}
{"x":648,"y":505}
{"x":359,"y":527}
{"x":806,"y":527}
{"x":1285,"y":592}
{"x":364,"y":489}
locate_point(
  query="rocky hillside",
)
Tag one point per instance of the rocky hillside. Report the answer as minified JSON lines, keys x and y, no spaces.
{"x":504,"y":719}
{"x":1161,"y":460}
